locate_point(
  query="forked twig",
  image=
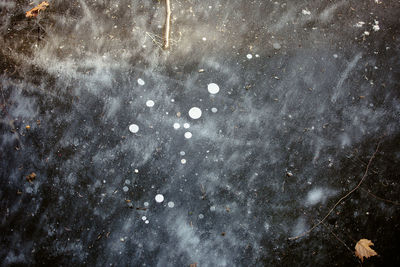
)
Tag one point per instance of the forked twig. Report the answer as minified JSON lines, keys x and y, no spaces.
{"x":343,"y":198}
{"x":167,"y":24}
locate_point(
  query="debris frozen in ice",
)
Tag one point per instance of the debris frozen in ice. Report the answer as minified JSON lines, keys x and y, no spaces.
{"x":360,"y":24}
{"x":195,"y":113}
{"x":375,"y":27}
{"x":277,"y":46}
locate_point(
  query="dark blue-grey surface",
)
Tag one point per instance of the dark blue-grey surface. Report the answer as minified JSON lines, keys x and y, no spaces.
{"x":307,"y":90}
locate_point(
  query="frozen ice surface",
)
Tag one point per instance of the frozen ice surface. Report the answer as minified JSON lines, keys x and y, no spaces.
{"x":304,"y":90}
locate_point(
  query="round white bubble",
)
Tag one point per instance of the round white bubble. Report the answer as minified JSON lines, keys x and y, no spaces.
{"x":182,"y":153}
{"x":213,"y":88}
{"x":125,"y":188}
{"x":171,"y":204}
{"x":183,"y":161}
{"x":150,"y":103}
{"x":146,"y":204}
{"x":127,"y":182}
{"x":146,"y":222}
{"x":188,"y":135}
{"x":133,"y":128}
{"x":212,"y":208}
{"x":140,"y":81}
{"x":144,"y":218}
{"x":177,"y":126}
{"x":249,"y":56}
{"x":214,"y":110}
{"x":201,"y":216}
{"x":195,"y":113}
{"x":186,"y":125}
{"x":159,"y":198}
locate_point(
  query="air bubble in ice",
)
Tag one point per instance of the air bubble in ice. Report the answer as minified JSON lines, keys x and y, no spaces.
{"x":195,"y":113}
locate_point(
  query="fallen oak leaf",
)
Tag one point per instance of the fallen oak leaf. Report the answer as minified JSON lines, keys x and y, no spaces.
{"x":34,"y":12}
{"x":363,"y":249}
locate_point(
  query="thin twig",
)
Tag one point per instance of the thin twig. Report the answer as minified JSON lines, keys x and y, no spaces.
{"x":343,"y":198}
{"x":154,"y":39}
{"x":167,"y":24}
{"x":340,"y":240}
{"x":386,"y":200}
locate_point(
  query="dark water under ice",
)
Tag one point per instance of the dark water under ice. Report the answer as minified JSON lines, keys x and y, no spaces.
{"x":307,"y":90}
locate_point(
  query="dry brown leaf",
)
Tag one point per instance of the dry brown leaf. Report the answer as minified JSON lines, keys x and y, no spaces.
{"x":34,"y":12}
{"x":31,"y":177}
{"x":363,"y":249}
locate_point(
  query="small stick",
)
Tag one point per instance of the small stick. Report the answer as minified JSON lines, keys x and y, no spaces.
{"x":343,"y":198}
{"x":167,"y":24}
{"x":340,"y":240}
{"x":383,"y":199}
